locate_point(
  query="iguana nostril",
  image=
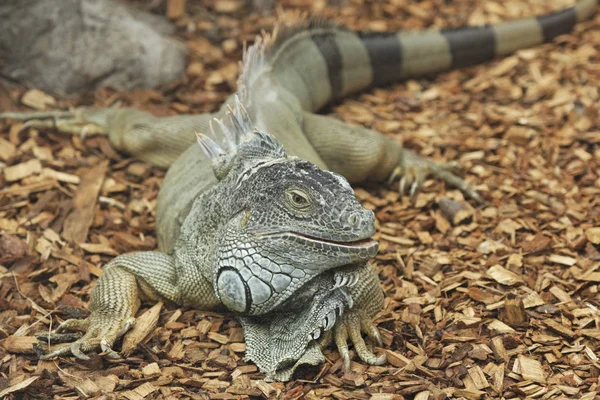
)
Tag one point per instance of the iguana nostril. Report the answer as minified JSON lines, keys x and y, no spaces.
{"x":354,"y":219}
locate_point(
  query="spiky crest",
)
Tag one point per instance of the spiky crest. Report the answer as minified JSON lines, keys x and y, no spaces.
{"x":263,"y":54}
{"x":253,"y":63}
{"x":234,"y":138}
{"x":223,"y":144}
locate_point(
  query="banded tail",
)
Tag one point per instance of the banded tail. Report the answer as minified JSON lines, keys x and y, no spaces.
{"x":320,"y":63}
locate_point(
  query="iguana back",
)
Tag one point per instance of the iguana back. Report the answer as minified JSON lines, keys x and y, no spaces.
{"x":319,"y":63}
{"x":313,"y":63}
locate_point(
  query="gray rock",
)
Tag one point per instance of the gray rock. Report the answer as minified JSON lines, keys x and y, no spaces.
{"x":67,"y":46}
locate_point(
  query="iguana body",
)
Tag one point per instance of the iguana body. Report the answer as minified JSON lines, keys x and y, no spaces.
{"x":282,"y":84}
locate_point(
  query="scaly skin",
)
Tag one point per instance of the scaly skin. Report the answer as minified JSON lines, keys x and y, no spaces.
{"x":277,"y":233}
{"x":228,"y":225}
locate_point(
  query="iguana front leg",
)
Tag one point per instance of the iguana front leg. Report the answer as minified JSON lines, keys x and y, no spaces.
{"x":116,"y":297}
{"x":360,"y":154}
{"x":367,"y":296}
{"x":158,"y":141}
{"x":341,"y":304}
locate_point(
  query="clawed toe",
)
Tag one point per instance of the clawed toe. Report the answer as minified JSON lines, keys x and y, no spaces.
{"x":417,"y":183}
{"x":129,"y":323}
{"x":382,"y":359}
{"x":414,"y":169}
{"x":36,"y":115}
{"x":64,"y":121}
{"x":450,"y":165}
{"x":56,"y":337}
{"x":345,"y":279}
{"x":351,"y":328}
{"x":76,"y":350}
{"x":403,"y":184}
{"x":394,"y":175}
{"x":74,"y":325}
{"x":56,"y":353}
{"x":457,"y":182}
{"x":106,"y":348}
{"x":100,"y":333}
{"x":411,"y":182}
{"x":374,"y":334}
{"x":341,"y":341}
{"x":325,"y":339}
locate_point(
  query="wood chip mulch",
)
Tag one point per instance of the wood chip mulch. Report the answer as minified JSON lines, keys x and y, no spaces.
{"x":499,"y":301}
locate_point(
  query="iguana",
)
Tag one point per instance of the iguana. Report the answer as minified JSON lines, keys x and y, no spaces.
{"x":252,"y":218}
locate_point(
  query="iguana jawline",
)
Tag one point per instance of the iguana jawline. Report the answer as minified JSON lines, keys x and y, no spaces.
{"x":360,"y":244}
{"x":368,"y":242}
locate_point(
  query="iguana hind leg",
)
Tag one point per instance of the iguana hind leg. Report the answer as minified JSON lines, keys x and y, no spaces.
{"x":158,"y":141}
{"x":360,"y":154}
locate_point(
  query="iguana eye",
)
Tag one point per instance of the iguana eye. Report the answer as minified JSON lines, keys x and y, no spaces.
{"x":298,"y":199}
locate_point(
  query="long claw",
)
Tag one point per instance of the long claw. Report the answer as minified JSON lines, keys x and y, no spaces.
{"x":450,"y":165}
{"x":415,"y":189}
{"x":325,"y":339}
{"x":330,"y":320}
{"x":28,"y":116}
{"x":353,"y":280}
{"x":415,"y":169}
{"x":360,"y":346}
{"x":351,"y":326}
{"x":395,"y":174}
{"x":403,"y":185}
{"x":417,"y":184}
{"x":58,"y":352}
{"x":341,"y":341}
{"x":37,"y":124}
{"x":101,"y":332}
{"x":129,"y":323}
{"x":73,"y":325}
{"x":59,"y":337}
{"x":382,"y":359}
{"x":346,"y":356}
{"x":375,"y":335}
{"x":106,"y":348}
{"x":454,"y":180}
{"x":76,"y":351}
{"x":316,"y":334}
{"x":372,"y":332}
{"x":338,"y":281}
{"x":365,"y":354}
{"x":77,"y":122}
{"x":345,"y":280}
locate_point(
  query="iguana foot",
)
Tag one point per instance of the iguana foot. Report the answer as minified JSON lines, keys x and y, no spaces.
{"x":158,"y":141}
{"x":101,"y":331}
{"x":77,"y":122}
{"x":413,"y":170}
{"x":352,"y":325}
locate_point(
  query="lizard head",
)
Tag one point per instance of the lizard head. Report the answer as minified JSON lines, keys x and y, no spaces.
{"x":287,"y":221}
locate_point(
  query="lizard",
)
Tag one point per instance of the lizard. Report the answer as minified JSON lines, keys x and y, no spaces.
{"x":266,"y":156}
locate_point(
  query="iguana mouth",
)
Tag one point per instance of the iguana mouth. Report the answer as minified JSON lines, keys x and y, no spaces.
{"x":359,"y":244}
{"x":368,"y":242}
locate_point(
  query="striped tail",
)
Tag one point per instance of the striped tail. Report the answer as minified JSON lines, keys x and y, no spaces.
{"x":328,"y":64}
{"x":406,"y":55}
